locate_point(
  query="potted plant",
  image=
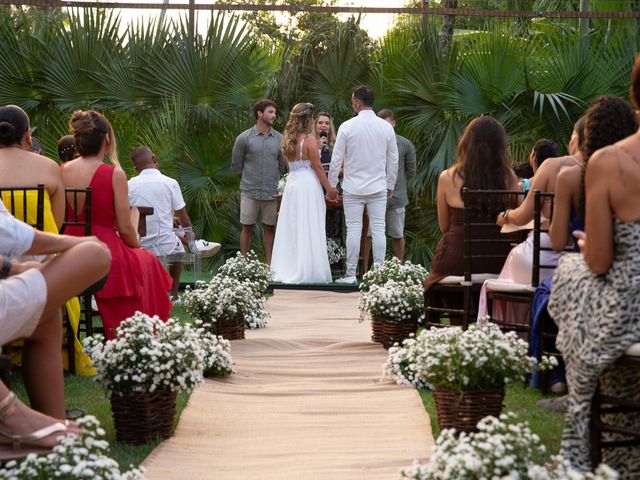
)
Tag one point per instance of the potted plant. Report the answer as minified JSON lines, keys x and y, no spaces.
{"x":75,"y":456}
{"x":466,"y":370}
{"x":394,"y":269}
{"x":144,"y":368}
{"x":223,"y":305}
{"x":395,"y":309}
{"x":248,"y":269}
{"x":502,"y":448}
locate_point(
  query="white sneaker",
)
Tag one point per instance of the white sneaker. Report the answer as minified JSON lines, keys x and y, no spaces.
{"x":207,"y":249}
{"x":350,"y":280}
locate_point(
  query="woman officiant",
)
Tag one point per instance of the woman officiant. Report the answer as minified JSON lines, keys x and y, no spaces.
{"x":325,"y":134}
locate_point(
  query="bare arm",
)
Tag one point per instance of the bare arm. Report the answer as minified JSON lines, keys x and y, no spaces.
{"x":314,"y":154}
{"x":121,"y":204}
{"x":524,"y":213}
{"x":441,"y":201}
{"x":598,"y":250}
{"x":559,"y":228}
{"x":183,"y":217}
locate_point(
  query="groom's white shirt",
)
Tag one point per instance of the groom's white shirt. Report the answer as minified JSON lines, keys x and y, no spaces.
{"x":366,"y":144}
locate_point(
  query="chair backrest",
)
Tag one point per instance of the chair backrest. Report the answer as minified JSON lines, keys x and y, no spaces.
{"x":77,"y":197}
{"x":485,"y":248}
{"x":16,"y":199}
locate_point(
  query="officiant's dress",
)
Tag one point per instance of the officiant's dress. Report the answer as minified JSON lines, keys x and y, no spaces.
{"x":300,"y":246}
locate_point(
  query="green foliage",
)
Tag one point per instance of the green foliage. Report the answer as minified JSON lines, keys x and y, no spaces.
{"x":188,"y":96}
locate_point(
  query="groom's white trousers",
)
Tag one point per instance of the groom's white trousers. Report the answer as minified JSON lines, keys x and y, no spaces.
{"x":354,"y":205}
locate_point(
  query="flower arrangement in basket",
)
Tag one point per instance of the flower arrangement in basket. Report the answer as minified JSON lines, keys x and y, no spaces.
{"x":75,"y":456}
{"x":467,"y":370}
{"x":335,"y":251}
{"x":500,"y":449}
{"x":248,"y":269}
{"x":144,"y":367}
{"x":225,"y":305}
{"x":394,"y":269}
{"x":395,"y":309}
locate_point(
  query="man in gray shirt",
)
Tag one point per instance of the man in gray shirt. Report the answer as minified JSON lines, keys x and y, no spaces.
{"x":258,"y":159}
{"x":397,"y":203}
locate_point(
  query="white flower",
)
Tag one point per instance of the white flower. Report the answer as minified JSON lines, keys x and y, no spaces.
{"x":169,"y":356}
{"x":85,"y":456}
{"x":501,"y":449}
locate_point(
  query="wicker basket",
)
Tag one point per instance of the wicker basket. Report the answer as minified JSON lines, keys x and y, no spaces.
{"x":141,"y":417}
{"x":232,"y":329}
{"x":387,"y":332}
{"x":463,"y":410}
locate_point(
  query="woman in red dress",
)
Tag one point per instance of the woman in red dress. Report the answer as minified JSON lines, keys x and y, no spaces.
{"x":137,"y":281}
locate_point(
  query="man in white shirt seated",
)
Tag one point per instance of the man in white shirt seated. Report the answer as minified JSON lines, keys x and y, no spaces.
{"x":153,"y":189}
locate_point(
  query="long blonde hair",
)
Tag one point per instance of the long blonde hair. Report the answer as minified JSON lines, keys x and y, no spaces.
{"x":300,"y":121}
{"x":331,"y":138}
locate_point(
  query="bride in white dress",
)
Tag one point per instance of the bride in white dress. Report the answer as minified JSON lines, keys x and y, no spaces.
{"x":300,"y":245}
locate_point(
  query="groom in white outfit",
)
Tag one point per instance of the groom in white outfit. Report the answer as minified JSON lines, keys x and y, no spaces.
{"x":366,"y":145}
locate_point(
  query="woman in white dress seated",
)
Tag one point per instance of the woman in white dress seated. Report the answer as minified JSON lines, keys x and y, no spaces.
{"x":300,"y":245}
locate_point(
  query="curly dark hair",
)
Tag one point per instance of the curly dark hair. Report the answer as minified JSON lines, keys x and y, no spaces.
{"x":608,"y":120}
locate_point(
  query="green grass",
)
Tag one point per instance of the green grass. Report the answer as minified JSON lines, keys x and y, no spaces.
{"x":521,"y":401}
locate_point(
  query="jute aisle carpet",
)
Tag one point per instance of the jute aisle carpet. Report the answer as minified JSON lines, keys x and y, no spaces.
{"x":306,"y":402}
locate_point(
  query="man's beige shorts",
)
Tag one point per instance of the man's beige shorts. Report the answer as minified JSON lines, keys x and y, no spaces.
{"x":250,"y":208}
{"x":395,"y":222}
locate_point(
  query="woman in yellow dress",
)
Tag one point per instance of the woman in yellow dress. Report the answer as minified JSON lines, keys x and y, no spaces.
{"x":19,"y":167}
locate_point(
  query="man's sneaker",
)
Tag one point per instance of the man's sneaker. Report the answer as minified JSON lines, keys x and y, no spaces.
{"x":207,"y":249}
{"x":555,"y":404}
{"x":349,"y":280}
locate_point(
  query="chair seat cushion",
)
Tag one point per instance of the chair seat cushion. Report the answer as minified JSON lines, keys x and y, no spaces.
{"x":475,"y":278}
{"x":508,"y":287}
{"x":633,"y":350}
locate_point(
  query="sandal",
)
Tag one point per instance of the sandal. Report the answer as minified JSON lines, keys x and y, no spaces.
{"x":23,"y":444}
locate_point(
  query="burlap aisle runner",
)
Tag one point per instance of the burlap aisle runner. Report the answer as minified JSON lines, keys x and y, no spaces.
{"x":306,"y":402}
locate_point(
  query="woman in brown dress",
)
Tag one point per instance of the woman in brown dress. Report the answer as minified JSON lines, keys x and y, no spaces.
{"x":483,"y":164}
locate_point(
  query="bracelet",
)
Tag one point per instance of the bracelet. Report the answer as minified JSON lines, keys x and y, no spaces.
{"x":6,"y":268}
{"x":505,"y":214}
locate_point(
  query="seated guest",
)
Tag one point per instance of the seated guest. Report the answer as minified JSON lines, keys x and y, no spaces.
{"x":596,"y":295}
{"x":20,"y":167}
{"x":137,"y":281}
{"x":568,"y":215}
{"x":31,"y":295}
{"x":543,"y":149}
{"x":152,"y":188}
{"x":483,"y":163}
{"x":67,"y":149}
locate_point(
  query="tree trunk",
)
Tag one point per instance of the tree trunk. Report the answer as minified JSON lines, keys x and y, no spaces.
{"x":584,"y":22}
{"x":447,"y":26}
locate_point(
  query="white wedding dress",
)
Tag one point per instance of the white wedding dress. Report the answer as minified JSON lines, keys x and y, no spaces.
{"x":300,"y":245}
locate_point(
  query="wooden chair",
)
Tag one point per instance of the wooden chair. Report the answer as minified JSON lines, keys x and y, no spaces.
{"x":17,"y":203}
{"x":78,"y":199}
{"x":482,"y":243}
{"x":602,"y":404}
{"x":519,"y":292}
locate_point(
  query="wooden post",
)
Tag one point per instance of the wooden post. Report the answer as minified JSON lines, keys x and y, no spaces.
{"x":192,"y":21}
